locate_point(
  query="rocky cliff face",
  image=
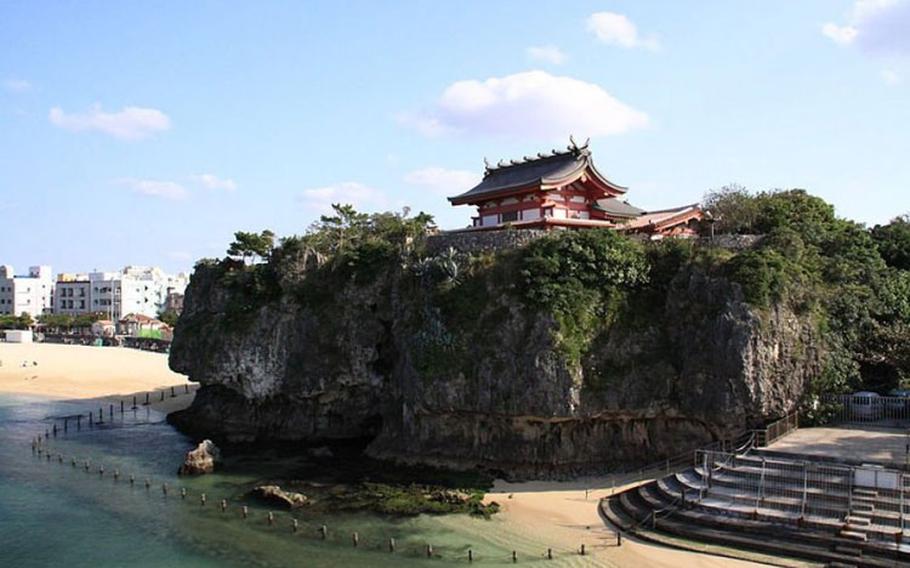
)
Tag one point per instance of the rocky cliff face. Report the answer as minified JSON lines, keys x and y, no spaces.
{"x":471,"y":376}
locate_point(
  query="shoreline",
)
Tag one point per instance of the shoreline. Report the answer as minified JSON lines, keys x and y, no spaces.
{"x":558,"y":514}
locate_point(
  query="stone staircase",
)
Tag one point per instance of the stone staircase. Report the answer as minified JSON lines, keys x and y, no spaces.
{"x":839,"y":525}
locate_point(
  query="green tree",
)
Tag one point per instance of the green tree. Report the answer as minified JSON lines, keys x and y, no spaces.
{"x":169,"y":317}
{"x":893,"y":242}
{"x":732,"y":208}
{"x":252,"y":246}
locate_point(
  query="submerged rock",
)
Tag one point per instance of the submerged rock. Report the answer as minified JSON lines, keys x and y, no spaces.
{"x":277,"y":495}
{"x":201,"y":460}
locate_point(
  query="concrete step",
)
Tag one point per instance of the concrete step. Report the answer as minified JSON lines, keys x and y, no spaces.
{"x":858,"y":520}
{"x":848,"y":550}
{"x":865,"y":492}
{"x":853,"y":535}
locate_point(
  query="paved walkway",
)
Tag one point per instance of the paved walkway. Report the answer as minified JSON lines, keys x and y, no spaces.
{"x":866,"y":444}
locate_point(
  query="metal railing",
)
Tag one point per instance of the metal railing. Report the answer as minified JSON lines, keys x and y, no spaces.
{"x":893,"y":411}
{"x":804,"y":489}
{"x":776,"y":430}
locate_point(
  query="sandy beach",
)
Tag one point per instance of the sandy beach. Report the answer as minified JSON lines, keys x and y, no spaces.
{"x":563,"y":513}
{"x":77,"y":371}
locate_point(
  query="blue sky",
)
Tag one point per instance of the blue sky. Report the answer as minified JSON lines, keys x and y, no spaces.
{"x":146,"y":133}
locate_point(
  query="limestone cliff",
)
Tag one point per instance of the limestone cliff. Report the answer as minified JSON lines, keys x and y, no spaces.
{"x":465,"y":373}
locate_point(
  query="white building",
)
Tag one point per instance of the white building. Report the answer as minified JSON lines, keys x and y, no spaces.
{"x":134,"y":290}
{"x":31,"y":293}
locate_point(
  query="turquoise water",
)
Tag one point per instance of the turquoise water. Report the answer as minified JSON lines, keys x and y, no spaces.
{"x":56,"y":514}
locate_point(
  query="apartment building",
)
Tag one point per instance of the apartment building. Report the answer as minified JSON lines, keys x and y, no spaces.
{"x":31,"y":293}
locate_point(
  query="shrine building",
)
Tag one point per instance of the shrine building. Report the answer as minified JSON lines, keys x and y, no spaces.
{"x":564,"y":190}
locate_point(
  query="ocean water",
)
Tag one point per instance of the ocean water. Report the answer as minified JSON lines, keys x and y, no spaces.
{"x":53,"y":514}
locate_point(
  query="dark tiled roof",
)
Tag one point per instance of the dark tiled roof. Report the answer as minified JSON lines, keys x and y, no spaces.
{"x":544,"y":168}
{"x":617,"y":208}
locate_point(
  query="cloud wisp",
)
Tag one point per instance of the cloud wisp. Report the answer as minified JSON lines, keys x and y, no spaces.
{"x":546,"y":54}
{"x":875,"y":26}
{"x":211,"y":181}
{"x":129,"y":123}
{"x":319,"y":200}
{"x":616,"y":29}
{"x":154,"y":188}
{"x":531,"y":104}
{"x":13,"y":85}
{"x":442,"y":181}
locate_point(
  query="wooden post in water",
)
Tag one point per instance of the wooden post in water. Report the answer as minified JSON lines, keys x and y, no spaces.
{"x":245,"y":511}
{"x":110,"y":412}
{"x":429,"y":551}
{"x":101,"y":470}
{"x":514,"y":557}
{"x":100,"y":415}
{"x":223,"y":505}
{"x":355,"y":539}
{"x":86,"y":465}
{"x":470,"y":555}
{"x":73,"y":462}
{"x":55,"y":429}
{"x":164,"y":489}
{"x":324,"y":531}
{"x":549,"y":554}
{"x":271,"y":518}
{"x":116,"y":475}
{"x":294,"y":526}
{"x":183,"y":492}
{"x":121,"y":407}
{"x":186,"y":389}
{"x":391,"y":545}
{"x":173,"y":394}
{"x":202,"y":500}
{"x":134,"y":402}
{"x":146,"y":399}
{"x":66,"y":424}
{"x":90,"y":418}
{"x":78,"y":422}
{"x":132,"y":479}
{"x":60,"y":458}
{"x":148,"y":484}
{"x":582,"y":551}
{"x":162,"y":396}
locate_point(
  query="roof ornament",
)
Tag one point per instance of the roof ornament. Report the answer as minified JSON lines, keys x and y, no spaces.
{"x":514,"y":162}
{"x":501,"y":164}
{"x":529,"y":158}
{"x":541,"y":155}
{"x":486,"y":164}
{"x":572,"y":144}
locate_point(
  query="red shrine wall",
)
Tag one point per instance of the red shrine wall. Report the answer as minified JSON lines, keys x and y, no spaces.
{"x":560,"y":204}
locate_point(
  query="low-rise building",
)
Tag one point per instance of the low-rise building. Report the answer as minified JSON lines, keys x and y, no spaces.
{"x":72,"y":294}
{"x":31,"y":293}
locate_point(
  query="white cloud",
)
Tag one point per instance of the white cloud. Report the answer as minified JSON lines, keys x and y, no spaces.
{"x":891,"y":77}
{"x":442,"y":181}
{"x":843,"y":35}
{"x":211,"y":181}
{"x":876,"y":26}
{"x":616,"y":29}
{"x":362,"y":197}
{"x":130,"y":123}
{"x":17,"y":85}
{"x":155,"y":188}
{"x":547,"y":54}
{"x":532,"y":104}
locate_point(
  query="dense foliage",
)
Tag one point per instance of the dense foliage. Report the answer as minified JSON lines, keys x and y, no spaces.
{"x":23,"y":321}
{"x":855,"y":281}
{"x":69,"y":323}
{"x":580,"y":276}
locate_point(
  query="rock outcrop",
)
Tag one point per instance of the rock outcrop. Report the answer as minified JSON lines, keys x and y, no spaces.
{"x":474,"y":378}
{"x":278,"y":496}
{"x":200,"y":460}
